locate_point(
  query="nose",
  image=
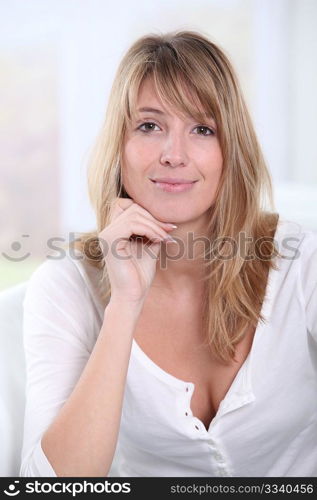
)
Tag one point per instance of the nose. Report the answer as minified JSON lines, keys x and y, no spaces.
{"x":174,"y":151}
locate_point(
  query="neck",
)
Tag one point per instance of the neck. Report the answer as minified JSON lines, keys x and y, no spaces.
{"x":180,"y":266}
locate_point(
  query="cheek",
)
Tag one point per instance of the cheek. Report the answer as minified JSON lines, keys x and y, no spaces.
{"x":211,"y":164}
{"x":139,"y":152}
{"x":131,"y":162}
{"x":135,"y":161}
{"x":131,"y":156}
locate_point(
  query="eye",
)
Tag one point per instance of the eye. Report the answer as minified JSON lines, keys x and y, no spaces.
{"x":147,"y":126}
{"x":204,"y":129}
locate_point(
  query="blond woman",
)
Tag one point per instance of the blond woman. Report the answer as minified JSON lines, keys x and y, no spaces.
{"x":179,"y":337}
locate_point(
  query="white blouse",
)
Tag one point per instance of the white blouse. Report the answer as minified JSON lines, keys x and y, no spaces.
{"x":265,"y":426}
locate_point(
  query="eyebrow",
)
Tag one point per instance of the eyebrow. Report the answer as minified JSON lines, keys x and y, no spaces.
{"x":151,"y":110}
{"x":159,"y":112}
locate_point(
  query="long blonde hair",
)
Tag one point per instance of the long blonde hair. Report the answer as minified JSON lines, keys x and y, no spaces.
{"x":192,"y":73}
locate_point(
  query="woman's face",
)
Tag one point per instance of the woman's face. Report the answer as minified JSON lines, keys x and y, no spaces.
{"x":162,"y":145}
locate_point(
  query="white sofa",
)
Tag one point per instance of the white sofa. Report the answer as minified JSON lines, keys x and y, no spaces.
{"x":12,"y":379}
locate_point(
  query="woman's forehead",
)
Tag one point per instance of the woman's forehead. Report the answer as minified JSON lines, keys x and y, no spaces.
{"x":148,"y":100}
{"x":148,"y":90}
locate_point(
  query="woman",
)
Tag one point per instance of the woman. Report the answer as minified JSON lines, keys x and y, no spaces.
{"x":190,"y":356}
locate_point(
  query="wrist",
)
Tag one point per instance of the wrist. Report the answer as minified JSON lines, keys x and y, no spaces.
{"x":124,"y":307}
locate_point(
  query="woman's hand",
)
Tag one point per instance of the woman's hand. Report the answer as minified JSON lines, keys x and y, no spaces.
{"x":131,"y":263}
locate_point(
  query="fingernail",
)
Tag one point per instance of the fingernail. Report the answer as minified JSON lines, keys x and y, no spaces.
{"x":172,"y":225}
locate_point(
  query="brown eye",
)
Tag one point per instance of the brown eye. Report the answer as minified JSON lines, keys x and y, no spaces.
{"x":204,"y":130}
{"x":149,"y":127}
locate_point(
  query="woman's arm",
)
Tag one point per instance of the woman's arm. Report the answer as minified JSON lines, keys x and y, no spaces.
{"x":308,"y":280}
{"x":76,"y":378}
{"x":82,"y":439}
{"x":69,"y":346}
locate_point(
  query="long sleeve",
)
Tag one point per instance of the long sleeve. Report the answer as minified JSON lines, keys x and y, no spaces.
{"x":60,"y":327}
{"x":308,"y":272}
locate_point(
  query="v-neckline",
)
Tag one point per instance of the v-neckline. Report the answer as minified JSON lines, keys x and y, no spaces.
{"x":240,"y":391}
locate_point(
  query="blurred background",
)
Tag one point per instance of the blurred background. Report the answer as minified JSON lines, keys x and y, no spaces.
{"x":57,"y":63}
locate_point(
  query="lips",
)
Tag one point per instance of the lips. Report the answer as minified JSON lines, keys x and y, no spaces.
{"x":174,"y":185}
{"x":174,"y":180}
